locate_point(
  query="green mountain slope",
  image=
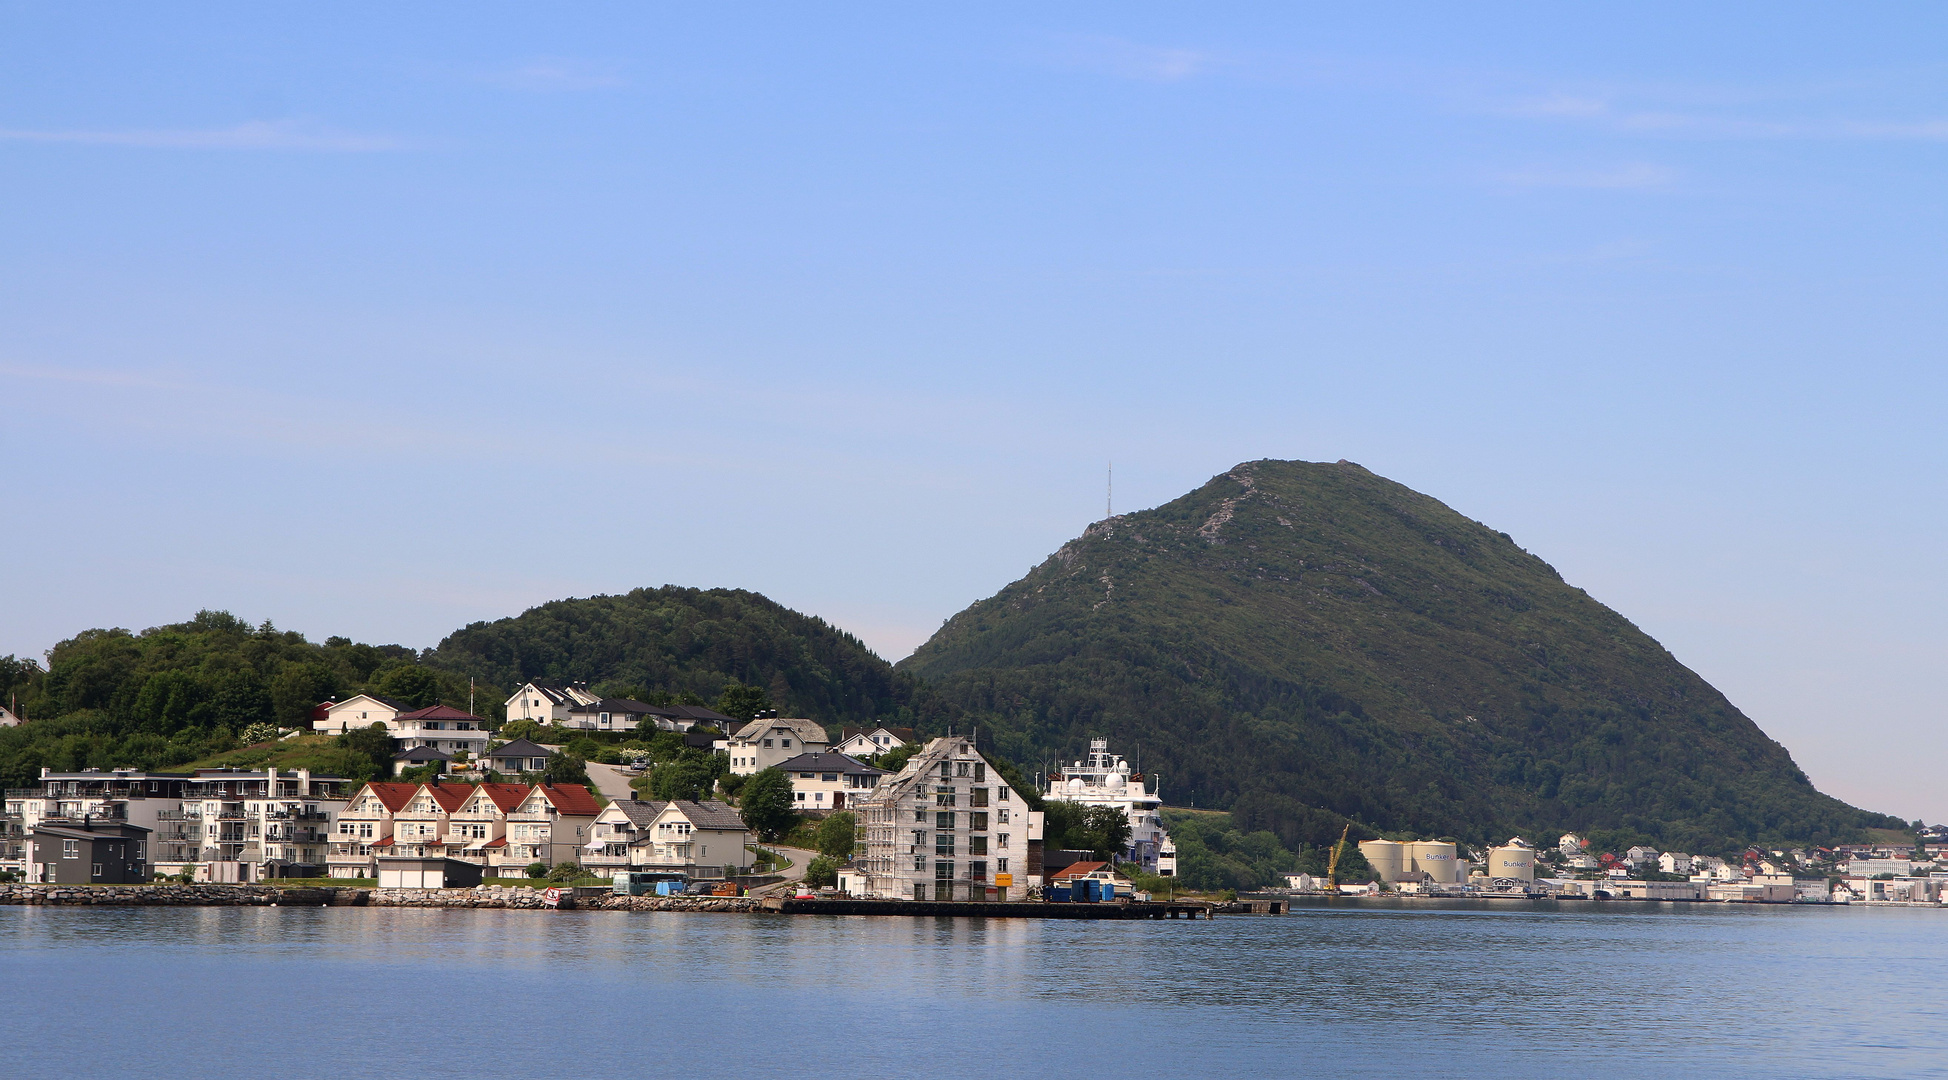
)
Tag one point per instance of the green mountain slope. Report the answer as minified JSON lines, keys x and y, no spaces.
{"x":690,"y":640}
{"x":1299,"y":641}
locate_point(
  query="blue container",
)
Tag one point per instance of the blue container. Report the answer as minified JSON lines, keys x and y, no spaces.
{"x":1059,"y":894}
{"x":1091,"y":890}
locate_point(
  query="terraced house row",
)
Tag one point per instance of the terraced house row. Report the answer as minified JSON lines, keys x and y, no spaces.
{"x":503,"y":827}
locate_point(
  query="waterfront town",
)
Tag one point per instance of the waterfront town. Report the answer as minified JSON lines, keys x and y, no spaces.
{"x":465,"y":809}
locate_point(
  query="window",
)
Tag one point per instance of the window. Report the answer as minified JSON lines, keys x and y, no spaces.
{"x":830,"y":778}
{"x":767,"y":744}
{"x":943,"y":844}
{"x":97,"y":869}
{"x":964,"y":768}
{"x":920,"y":815}
{"x":1001,"y":815}
{"x":70,"y":849}
{"x":980,"y":772}
{"x":943,"y":871}
{"x":1001,"y":841}
{"x":943,"y":819}
{"x":365,"y":830}
{"x":141,"y":850}
{"x":786,"y":743}
{"x":977,"y":845}
{"x":919,"y":838}
{"x":946,"y":769}
{"x":1002,"y":794}
{"x":977,"y":822}
{"x":1000,"y":866}
{"x":920,"y":863}
{"x":919,"y":891}
{"x":943,"y":796}
{"x":804,"y":776}
{"x":798,"y":796}
{"x":977,"y":870}
{"x":977,"y":797}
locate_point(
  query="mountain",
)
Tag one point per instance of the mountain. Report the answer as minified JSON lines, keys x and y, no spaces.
{"x":1306,"y":644}
{"x":694,"y":641}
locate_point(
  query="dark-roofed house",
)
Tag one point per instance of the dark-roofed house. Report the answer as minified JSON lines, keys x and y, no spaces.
{"x":418,"y":756}
{"x":865,"y":742}
{"x":685,"y":717}
{"x":548,"y":703}
{"x":87,"y":852}
{"x":440,"y":727}
{"x":518,"y":757}
{"x":609,"y":714}
{"x":700,"y":839}
{"x":827,"y":781}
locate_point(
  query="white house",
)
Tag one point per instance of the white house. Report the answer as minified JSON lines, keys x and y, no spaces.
{"x":947,"y":827}
{"x":829,"y":781}
{"x":866,"y":742}
{"x":769,"y":741}
{"x":547,"y":702}
{"x":359,"y":711}
{"x":1571,"y":845}
{"x":7,"y":718}
{"x":441,"y":728}
{"x":477,"y":830}
{"x":608,"y":714}
{"x":365,"y":828}
{"x":700,"y":839}
{"x":1674,"y":862}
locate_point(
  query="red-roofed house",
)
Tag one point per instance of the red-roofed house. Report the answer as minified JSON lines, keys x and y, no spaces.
{"x":549,"y":825}
{"x":365,"y":822}
{"x":421,"y":828}
{"x":478,"y":829}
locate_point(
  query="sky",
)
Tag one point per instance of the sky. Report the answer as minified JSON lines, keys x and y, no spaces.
{"x":378,"y":322}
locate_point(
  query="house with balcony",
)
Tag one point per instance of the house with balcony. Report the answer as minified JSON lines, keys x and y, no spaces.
{"x":440,"y":727}
{"x":477,"y":831}
{"x":365,"y":827}
{"x":827,"y":782}
{"x":609,"y":714}
{"x":420,"y":828}
{"x":699,"y":839}
{"x":769,"y":741}
{"x":947,"y":827}
{"x":550,"y":824}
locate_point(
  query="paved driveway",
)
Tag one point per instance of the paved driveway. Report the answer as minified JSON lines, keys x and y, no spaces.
{"x":610,"y":780}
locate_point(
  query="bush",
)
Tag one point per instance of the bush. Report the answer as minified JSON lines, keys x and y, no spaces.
{"x":258,"y":733}
{"x":822,"y":872}
{"x":567,"y":871}
{"x":537,"y":870}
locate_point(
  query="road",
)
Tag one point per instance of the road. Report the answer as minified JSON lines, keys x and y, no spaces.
{"x":610,"y":780}
{"x":800,"y":859}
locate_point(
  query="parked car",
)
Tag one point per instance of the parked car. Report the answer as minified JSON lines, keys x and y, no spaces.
{"x":701,"y":888}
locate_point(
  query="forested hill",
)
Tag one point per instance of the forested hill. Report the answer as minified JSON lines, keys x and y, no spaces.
{"x":1305,"y":643}
{"x":692,"y":641}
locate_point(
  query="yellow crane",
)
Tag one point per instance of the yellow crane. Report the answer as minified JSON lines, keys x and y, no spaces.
{"x":1332,"y":864}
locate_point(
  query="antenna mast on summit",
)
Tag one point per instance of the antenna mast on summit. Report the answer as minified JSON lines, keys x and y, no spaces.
{"x":1109,"y":495}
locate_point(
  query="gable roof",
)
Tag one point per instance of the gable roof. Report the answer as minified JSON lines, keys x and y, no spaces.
{"x":390,"y":703}
{"x":1077,"y":869}
{"x":639,"y":812}
{"x":806,"y":730}
{"x":520,"y":748}
{"x":422,"y":753}
{"x":505,"y":796}
{"x":903,"y":734}
{"x":710,"y":814}
{"x":394,"y":795}
{"x":449,"y":796}
{"x":616,"y":705}
{"x":827,"y":762}
{"x":571,"y":799}
{"x":693,"y":712}
{"x":438,"y":712}
{"x":556,"y":693}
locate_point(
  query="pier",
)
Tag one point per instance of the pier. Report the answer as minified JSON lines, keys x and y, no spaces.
{"x":1023,"y":909}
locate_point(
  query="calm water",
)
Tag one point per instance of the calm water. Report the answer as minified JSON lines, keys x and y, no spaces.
{"x":1642,"y":990}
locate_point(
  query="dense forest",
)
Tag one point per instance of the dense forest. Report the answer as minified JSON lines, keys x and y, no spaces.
{"x":174,"y":694}
{"x":1306,"y":644}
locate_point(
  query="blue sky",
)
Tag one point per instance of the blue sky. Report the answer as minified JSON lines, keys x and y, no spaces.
{"x":375,"y":322}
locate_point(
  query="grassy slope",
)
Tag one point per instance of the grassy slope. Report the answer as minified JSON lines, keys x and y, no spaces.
{"x":1295,"y":636}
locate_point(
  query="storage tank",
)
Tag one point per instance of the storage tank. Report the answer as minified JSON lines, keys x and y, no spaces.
{"x":1512,"y":862}
{"x":1435,"y":858}
{"x":1388,"y":858}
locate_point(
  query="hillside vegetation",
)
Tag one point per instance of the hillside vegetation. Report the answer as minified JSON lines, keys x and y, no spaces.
{"x":692,"y":641}
{"x":1303,"y":644}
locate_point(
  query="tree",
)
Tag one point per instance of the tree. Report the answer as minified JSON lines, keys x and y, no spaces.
{"x":766,"y":804}
{"x":684,"y":778}
{"x":822,"y":872}
{"x":1108,"y":830}
{"x":741,"y":701}
{"x":523,"y":728}
{"x":416,"y":686}
{"x":565,"y":768}
{"x":1063,"y":825}
{"x":537,"y":869}
{"x":835,"y":835}
{"x":368,"y":746}
{"x":895,"y":759}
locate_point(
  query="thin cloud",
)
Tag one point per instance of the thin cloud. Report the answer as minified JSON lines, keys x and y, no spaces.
{"x":555,"y":74}
{"x":1131,"y":60}
{"x":1634,"y":176}
{"x":252,"y":135}
{"x":1708,"y":125}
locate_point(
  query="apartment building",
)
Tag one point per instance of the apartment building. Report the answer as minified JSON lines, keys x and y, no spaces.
{"x":825,"y":782}
{"x":948,"y":827}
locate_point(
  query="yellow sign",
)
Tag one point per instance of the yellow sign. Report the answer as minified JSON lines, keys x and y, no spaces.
{"x":1002,"y":881}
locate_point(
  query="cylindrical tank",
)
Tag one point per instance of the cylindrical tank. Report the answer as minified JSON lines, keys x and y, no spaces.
{"x":1389,"y":859}
{"x":1512,"y":862}
{"x":1435,"y":858}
